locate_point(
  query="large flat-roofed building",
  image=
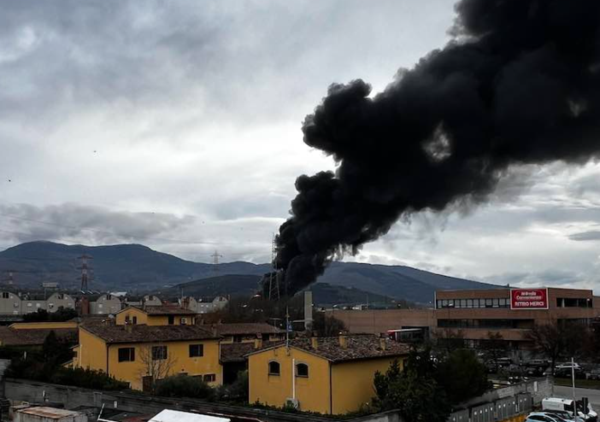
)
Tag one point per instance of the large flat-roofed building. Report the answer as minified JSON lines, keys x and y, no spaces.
{"x":474,"y":314}
{"x":377,"y":321}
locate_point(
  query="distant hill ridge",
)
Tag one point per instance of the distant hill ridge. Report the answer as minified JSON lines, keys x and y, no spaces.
{"x":138,"y":268}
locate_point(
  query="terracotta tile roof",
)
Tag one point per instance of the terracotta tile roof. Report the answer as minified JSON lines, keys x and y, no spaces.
{"x":236,"y":352}
{"x":357,"y":347}
{"x":112,"y":333}
{"x":246,"y":329}
{"x":33,"y":337}
{"x":165,"y":310}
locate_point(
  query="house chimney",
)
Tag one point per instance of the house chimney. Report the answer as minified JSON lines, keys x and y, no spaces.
{"x":128,"y":327}
{"x":258,"y":343}
{"x":214,"y":330}
{"x":308,"y":310}
{"x":382,"y":343}
{"x":343,"y":341}
{"x":314,"y":342}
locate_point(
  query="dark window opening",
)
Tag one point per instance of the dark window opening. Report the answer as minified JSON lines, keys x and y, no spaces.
{"x":274,"y":368}
{"x":196,"y":350}
{"x":210,"y":378}
{"x":302,"y":370}
{"x":159,"y":352}
{"x":127,"y":354}
{"x":573,"y":303}
{"x":171,"y":320}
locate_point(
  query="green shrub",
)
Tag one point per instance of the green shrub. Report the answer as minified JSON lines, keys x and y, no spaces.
{"x":236,"y":392}
{"x":184,"y":386}
{"x":87,"y":378}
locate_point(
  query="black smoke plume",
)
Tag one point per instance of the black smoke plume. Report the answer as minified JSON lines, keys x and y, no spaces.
{"x":519,"y":84}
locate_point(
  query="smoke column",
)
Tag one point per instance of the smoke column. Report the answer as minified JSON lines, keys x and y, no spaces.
{"x":519,"y":84}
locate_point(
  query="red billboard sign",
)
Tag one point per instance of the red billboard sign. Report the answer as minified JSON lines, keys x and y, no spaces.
{"x":528,"y":298}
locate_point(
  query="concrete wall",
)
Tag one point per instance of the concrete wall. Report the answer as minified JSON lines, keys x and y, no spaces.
{"x":510,"y":403}
{"x":71,"y":397}
{"x":538,"y":389}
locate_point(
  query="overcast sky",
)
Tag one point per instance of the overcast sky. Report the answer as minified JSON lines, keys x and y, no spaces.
{"x":176,"y":124}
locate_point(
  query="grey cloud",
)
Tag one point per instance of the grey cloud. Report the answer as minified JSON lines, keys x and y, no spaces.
{"x":246,"y":59}
{"x":548,"y":277}
{"x":91,"y":225}
{"x":585,"y":236}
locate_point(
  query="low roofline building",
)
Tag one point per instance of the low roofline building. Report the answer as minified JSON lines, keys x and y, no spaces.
{"x":332,"y":375}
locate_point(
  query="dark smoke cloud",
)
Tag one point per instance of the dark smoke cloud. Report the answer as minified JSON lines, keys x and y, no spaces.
{"x":518,"y":85}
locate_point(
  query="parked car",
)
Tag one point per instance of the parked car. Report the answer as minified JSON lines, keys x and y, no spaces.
{"x":564,"y":415}
{"x":567,"y":373}
{"x":536,"y":368}
{"x":503,"y":362}
{"x":593,"y":374}
{"x":568,"y":365}
{"x":539,"y":362}
{"x":579,"y":408}
{"x":566,"y":369}
{"x":545,"y":417}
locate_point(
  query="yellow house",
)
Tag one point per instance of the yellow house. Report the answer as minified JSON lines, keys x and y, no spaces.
{"x":330,"y":375}
{"x":141,"y":354}
{"x":156,"y":315}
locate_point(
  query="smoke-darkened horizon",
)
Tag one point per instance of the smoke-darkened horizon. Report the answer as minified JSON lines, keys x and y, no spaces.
{"x":518,"y":85}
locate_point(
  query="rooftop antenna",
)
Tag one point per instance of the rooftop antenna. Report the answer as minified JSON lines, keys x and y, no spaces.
{"x":85,"y":271}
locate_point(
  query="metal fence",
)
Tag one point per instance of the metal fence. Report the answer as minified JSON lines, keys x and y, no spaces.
{"x":499,"y":410}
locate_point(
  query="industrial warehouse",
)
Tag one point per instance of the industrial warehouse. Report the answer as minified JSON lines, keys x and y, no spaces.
{"x":473,"y":314}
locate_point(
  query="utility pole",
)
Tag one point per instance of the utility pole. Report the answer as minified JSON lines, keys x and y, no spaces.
{"x":573,"y":379}
{"x":85,"y":271}
{"x":287,"y":328}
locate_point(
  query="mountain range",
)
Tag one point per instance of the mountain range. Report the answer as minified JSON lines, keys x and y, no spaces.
{"x":137,"y":268}
{"x":246,"y":285}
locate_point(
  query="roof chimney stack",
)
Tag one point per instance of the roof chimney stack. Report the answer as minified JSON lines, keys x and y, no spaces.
{"x":382,"y":343}
{"x":314,"y":342}
{"x":343,"y":341}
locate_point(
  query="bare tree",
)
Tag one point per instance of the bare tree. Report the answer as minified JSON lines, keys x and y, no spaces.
{"x":447,"y":340}
{"x":494,"y":348}
{"x":558,"y":339}
{"x":157,"y":363}
{"x":327,"y":326}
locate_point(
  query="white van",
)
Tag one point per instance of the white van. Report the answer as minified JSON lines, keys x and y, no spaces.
{"x":567,"y":405}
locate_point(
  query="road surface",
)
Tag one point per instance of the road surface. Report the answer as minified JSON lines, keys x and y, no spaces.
{"x":567,"y":393}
